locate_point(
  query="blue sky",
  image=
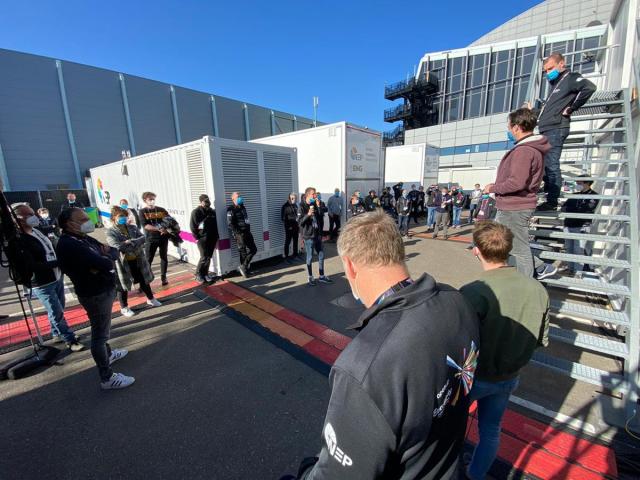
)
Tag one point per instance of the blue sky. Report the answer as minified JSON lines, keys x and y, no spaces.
{"x":276,"y":54}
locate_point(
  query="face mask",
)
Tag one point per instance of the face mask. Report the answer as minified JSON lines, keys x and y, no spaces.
{"x":292,"y":200}
{"x":72,"y":201}
{"x":33,"y":221}
{"x":359,"y":195}
{"x":510,"y":136}
{"x":404,"y":195}
{"x":239,"y":201}
{"x":45,"y":216}
{"x":337,"y":194}
{"x":124,"y":206}
{"x":312,"y":201}
{"x":151,"y":203}
{"x":122,"y":220}
{"x":553,"y":75}
{"x":485,"y":196}
{"x":87,"y":227}
{"x":207,"y":203}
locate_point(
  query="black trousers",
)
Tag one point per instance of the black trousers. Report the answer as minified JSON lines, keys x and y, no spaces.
{"x":161,"y":244}
{"x":414,"y":214}
{"x":291,"y":236}
{"x":206,"y":248}
{"x":246,"y":247}
{"x":334,"y":225}
{"x":123,"y":295}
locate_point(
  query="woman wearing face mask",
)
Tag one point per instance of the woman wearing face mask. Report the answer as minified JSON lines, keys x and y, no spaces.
{"x":132,"y":215}
{"x":47,"y":225}
{"x":131,"y":265}
{"x":89,"y":265}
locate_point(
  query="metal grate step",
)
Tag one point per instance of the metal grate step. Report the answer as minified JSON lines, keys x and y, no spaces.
{"x":583,"y":216}
{"x":589,"y":285}
{"x":598,"y":130}
{"x":588,"y":259}
{"x":578,"y":117}
{"x":589,"y":237}
{"x":592,"y":343}
{"x":596,"y":179}
{"x":588,"y":312}
{"x":581,"y":196}
{"x":585,"y":161}
{"x":584,"y":373}
{"x":601,"y":103}
{"x":573,"y":146}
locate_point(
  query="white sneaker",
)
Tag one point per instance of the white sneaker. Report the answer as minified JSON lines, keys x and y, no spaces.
{"x":127,"y":312}
{"x":117,"y":354}
{"x":209,"y":278}
{"x":117,"y":381}
{"x":153,"y":303}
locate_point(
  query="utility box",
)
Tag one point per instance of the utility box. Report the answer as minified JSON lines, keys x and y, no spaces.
{"x":412,"y":164}
{"x":263,"y":174}
{"x":338,"y":155}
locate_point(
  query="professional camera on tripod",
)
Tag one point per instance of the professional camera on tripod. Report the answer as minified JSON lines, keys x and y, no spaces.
{"x":12,"y":257}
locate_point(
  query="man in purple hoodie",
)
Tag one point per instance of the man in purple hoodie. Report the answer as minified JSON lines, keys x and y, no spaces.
{"x":517,"y":182}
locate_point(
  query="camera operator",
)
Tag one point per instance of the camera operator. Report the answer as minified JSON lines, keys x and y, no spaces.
{"x":46,"y":281}
{"x":90,"y":266}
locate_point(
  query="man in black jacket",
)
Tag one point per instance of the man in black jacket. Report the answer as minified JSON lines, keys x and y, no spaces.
{"x":89,"y":265}
{"x":156,"y":235}
{"x":71,"y":202}
{"x":310,"y":223}
{"x":46,"y":281}
{"x":569,"y":91}
{"x":400,"y":390}
{"x":240,"y":227}
{"x":289,"y":217}
{"x":204,"y":227}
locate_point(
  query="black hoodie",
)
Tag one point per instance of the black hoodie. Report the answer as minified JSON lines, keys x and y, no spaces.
{"x":399,"y":399}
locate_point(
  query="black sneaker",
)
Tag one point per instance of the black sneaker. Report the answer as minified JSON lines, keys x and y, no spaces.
{"x":325,"y":279}
{"x":546,"y":207}
{"x":199,"y":279}
{"x":312,"y":282}
{"x":165,"y":282}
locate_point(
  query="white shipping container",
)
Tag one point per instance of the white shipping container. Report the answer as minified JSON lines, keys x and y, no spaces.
{"x":263,"y":174}
{"x":338,"y":155}
{"x":468,"y":177}
{"x":412,"y":164}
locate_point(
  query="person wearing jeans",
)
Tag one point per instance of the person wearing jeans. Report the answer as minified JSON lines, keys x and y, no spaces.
{"x":431,"y":207}
{"x":46,"y":280}
{"x":311,"y":229}
{"x":443,"y":203}
{"x":513,"y":317}
{"x":157,"y":237}
{"x":89,"y":265}
{"x":476,"y":195}
{"x":404,"y":205}
{"x":517,"y":183}
{"x":568,"y":92}
{"x":458,"y":199}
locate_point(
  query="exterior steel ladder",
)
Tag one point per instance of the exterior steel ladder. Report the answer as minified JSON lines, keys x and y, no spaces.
{"x":605,"y":150}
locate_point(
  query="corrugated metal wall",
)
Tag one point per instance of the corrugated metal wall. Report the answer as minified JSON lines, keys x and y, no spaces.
{"x":34,"y":135}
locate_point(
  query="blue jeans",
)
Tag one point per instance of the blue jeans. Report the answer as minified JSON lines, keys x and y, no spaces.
{"x":403,"y":224}
{"x":456,"y":215}
{"x":472,"y":208}
{"x":52,"y":298}
{"x":552,"y":174}
{"x":493,"y":398}
{"x":431,"y":216}
{"x":309,"y":245}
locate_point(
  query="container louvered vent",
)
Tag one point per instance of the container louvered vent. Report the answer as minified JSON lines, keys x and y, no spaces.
{"x":195,"y":174}
{"x":278,"y":174}
{"x":241,"y":174}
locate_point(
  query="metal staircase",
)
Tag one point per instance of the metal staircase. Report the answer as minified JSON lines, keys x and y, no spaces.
{"x":602,"y":145}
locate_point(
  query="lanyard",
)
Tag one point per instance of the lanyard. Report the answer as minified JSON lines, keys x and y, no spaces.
{"x":394,"y":289}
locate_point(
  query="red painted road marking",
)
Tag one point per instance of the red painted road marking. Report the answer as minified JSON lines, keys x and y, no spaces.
{"x":528,"y":445}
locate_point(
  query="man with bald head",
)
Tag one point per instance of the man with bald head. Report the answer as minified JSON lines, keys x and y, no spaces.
{"x":46,"y":277}
{"x":240,"y":227}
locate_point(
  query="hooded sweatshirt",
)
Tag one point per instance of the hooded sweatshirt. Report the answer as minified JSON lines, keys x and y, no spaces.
{"x":520,"y":174}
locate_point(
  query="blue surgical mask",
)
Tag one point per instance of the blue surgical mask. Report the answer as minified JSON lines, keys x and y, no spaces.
{"x":337,"y":194}
{"x":485,"y":195}
{"x":510,"y":136}
{"x":122,"y":220}
{"x":553,"y":75}
{"x":239,"y":201}
{"x":124,"y":206}
{"x":312,"y":201}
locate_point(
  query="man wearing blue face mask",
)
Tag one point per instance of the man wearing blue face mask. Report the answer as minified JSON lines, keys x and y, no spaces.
{"x":568,"y":92}
{"x":240,"y":227}
{"x":311,"y":230}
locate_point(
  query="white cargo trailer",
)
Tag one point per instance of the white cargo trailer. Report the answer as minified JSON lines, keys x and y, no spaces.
{"x":338,"y":155}
{"x":411,"y":164}
{"x":264,"y":174}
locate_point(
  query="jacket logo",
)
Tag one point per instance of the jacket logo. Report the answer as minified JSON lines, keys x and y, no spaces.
{"x":464,"y":377}
{"x":332,"y":445}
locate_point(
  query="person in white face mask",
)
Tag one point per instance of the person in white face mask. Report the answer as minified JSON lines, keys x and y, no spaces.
{"x":46,"y":280}
{"x":89,"y":265}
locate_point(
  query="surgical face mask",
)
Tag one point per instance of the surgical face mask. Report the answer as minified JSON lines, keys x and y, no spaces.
{"x":553,"y":75}
{"x":485,"y":195}
{"x":319,"y":197}
{"x":87,"y":227}
{"x":124,"y":206}
{"x":151,"y":203}
{"x":239,"y":201}
{"x":33,"y":221}
{"x":122,"y":220}
{"x":45,"y":216}
{"x":207,"y":203}
{"x":292,"y":199}
{"x":510,"y":136}
{"x":72,"y":200}
{"x":312,"y":201}
{"x":337,"y":194}
{"x":404,"y":194}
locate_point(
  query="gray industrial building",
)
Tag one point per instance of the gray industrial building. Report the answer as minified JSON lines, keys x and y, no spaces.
{"x":60,"y":118}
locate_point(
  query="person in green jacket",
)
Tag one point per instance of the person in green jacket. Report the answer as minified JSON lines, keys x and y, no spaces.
{"x":513,"y":313}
